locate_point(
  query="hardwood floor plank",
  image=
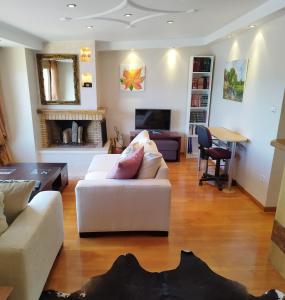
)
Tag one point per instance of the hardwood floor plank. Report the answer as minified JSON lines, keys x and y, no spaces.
{"x":228,"y":231}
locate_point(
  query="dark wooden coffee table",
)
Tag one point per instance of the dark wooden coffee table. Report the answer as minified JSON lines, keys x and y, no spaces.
{"x":49,"y":176}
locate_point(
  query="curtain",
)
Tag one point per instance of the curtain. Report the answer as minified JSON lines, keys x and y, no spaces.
{"x":5,"y":156}
{"x":54,"y":80}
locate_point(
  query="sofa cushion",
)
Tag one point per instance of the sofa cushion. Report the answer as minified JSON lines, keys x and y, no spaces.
{"x":17,"y":194}
{"x":103,"y":162}
{"x":128,"y":167}
{"x":150,"y":164}
{"x":3,"y":222}
{"x":141,"y":136}
{"x":96,"y":175}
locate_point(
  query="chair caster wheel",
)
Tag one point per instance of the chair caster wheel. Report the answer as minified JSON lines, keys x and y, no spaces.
{"x":200,"y":183}
{"x":220,"y":188}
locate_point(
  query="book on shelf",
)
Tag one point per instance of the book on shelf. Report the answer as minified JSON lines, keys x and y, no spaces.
{"x":201,"y":83}
{"x":198,"y":116}
{"x":199,"y":100}
{"x":189,"y":145}
{"x":202,"y":64}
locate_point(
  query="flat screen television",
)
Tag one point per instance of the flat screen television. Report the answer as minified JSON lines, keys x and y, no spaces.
{"x":152,"y":119}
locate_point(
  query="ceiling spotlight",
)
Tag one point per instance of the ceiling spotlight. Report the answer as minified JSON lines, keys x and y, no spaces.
{"x":127,"y":15}
{"x":252,"y":26}
{"x":170,"y":22}
{"x":65,"y":19}
{"x":90,"y":27}
{"x":71,"y":5}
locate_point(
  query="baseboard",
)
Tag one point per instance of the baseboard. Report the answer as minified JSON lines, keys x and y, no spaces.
{"x":251,"y":197}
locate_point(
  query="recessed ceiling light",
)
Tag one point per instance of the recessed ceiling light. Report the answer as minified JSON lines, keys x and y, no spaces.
{"x":65,"y":19}
{"x":71,"y":5}
{"x":252,"y":26}
{"x":128,"y":15}
{"x":90,"y":27}
{"x":170,"y":22}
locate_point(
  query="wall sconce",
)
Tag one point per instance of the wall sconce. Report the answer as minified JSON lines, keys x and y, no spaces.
{"x":86,"y":79}
{"x":85,"y":54}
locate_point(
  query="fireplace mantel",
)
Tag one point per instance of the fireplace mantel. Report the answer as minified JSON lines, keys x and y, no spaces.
{"x":59,"y":114}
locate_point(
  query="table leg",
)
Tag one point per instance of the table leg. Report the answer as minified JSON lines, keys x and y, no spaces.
{"x":231,"y":164}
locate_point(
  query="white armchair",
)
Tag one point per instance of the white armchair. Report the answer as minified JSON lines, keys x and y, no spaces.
{"x":30,"y":245}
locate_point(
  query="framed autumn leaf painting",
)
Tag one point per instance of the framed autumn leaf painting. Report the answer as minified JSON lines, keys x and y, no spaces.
{"x":132,"y":77}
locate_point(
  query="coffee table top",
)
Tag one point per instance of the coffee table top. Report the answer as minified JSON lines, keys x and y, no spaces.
{"x":43,"y":172}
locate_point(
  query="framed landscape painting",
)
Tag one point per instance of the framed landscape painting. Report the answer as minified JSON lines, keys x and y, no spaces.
{"x":234,"y":79}
{"x":132,"y":77}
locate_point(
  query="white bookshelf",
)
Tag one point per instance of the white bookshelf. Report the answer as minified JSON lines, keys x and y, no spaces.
{"x":199,"y":99}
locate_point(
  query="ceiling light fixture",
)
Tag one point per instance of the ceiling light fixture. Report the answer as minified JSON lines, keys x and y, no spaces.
{"x":127,"y":15}
{"x":71,"y":5}
{"x":170,"y":22}
{"x":252,"y":26}
{"x":90,"y":27}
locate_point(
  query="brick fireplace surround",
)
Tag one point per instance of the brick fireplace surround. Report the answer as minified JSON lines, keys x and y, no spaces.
{"x":95,"y":128}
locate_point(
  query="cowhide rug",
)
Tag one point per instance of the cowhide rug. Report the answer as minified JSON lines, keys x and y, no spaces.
{"x":191,"y":280}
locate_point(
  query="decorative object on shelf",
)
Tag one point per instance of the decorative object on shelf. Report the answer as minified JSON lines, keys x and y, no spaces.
{"x":85,"y":54}
{"x":118,"y":139}
{"x":66,"y":136}
{"x":234,"y":79}
{"x":80,"y":135}
{"x":199,"y":99}
{"x":86,"y":79}
{"x":74,"y":132}
{"x":132,"y":77}
{"x":192,"y":279}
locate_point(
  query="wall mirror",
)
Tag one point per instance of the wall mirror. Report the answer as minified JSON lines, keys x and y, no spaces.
{"x":58,"y":78}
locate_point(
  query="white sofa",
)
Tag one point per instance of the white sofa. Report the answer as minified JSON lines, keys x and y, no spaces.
{"x":30,"y":245}
{"x":112,"y":205}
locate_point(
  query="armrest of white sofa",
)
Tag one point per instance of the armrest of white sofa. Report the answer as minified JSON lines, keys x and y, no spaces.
{"x":29,"y":246}
{"x":122,"y":205}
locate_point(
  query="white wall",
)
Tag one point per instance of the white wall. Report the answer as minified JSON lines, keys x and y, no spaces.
{"x":17,"y":106}
{"x":165,"y":85}
{"x":265,"y":48}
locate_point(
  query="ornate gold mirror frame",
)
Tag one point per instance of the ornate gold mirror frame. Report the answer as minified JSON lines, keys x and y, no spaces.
{"x":75,"y":64}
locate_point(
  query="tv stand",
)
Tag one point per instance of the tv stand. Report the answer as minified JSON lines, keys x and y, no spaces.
{"x":168,"y":143}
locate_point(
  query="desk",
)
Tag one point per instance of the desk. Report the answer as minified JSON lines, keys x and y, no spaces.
{"x":5,"y":291}
{"x":228,"y":136}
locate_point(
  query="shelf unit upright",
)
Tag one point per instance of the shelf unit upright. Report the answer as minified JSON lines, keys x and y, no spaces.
{"x":199,"y":99}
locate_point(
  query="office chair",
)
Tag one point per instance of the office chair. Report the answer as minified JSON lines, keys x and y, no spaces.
{"x":207,"y":151}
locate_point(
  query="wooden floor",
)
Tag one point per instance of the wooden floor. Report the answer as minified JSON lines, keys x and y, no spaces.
{"x":228,"y":231}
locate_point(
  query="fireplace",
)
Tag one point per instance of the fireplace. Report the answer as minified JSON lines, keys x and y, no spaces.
{"x":73,"y":128}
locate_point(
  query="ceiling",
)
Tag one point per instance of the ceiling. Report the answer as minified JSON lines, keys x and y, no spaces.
{"x":42,"y":18}
{"x":194,"y":22}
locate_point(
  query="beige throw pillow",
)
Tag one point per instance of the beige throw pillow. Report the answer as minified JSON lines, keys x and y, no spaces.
{"x":141,"y":136}
{"x":17,"y":194}
{"x":150,"y":165}
{"x":3,"y":222}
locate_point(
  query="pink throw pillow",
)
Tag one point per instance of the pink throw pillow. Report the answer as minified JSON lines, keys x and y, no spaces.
{"x":128,"y":167}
